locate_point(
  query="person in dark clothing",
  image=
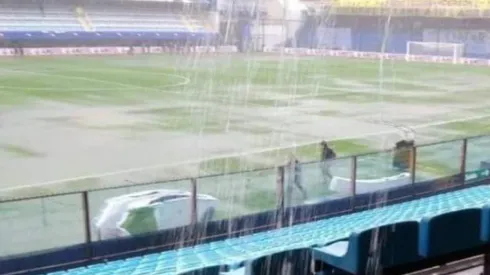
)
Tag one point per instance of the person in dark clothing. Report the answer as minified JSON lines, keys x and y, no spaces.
{"x":295,"y":176}
{"x":402,"y":155}
{"x":328,"y":154}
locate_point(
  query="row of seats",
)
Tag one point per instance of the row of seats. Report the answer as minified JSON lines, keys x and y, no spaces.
{"x":23,"y":19}
{"x":408,"y":242}
{"x":141,"y":20}
{"x":236,"y":252}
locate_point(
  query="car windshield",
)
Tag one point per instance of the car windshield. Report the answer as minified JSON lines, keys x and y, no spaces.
{"x":144,"y":194}
{"x":167,"y":198}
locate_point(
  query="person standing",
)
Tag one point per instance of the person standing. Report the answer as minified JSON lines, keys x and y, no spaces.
{"x":328,"y":154}
{"x":295,"y":177}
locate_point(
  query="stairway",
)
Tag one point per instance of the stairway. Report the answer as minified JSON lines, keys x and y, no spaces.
{"x":83,"y":19}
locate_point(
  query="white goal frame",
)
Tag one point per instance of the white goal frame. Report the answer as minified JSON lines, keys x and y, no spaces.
{"x":457,"y":49}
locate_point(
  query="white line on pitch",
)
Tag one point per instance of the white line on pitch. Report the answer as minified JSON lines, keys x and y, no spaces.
{"x":185,"y":80}
{"x":263,"y":150}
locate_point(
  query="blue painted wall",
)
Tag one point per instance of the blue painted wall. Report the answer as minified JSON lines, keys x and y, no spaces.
{"x":363,"y":33}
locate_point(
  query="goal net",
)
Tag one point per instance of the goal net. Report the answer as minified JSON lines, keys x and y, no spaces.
{"x":454,"y":50}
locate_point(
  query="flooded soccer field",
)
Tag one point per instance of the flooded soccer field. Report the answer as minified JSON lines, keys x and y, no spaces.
{"x":78,"y":123}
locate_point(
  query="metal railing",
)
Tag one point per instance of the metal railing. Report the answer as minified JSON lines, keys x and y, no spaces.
{"x":35,"y":223}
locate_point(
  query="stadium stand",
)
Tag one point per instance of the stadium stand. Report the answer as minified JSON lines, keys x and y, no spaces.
{"x":79,"y":19}
{"x":33,"y":19}
{"x":141,"y":20}
{"x":412,"y":4}
{"x":442,"y":215}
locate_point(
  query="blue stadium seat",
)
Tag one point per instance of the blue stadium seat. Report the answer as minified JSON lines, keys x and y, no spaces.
{"x":213,"y":270}
{"x":450,"y":232}
{"x":244,"y":270}
{"x":485,"y":224}
{"x":287,"y":262}
{"x":352,"y":255}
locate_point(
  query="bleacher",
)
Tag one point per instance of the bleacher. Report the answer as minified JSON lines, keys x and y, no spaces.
{"x":417,"y":230}
{"x":33,"y":19}
{"x":412,"y":4}
{"x":78,"y":19}
{"x":143,"y":20}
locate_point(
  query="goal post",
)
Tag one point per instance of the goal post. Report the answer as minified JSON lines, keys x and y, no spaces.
{"x":417,"y":48}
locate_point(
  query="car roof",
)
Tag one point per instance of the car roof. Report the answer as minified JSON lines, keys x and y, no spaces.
{"x":149,"y":197}
{"x":150,"y":194}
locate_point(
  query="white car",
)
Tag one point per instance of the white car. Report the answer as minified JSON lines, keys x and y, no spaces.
{"x":150,"y":211}
{"x":343,"y":185}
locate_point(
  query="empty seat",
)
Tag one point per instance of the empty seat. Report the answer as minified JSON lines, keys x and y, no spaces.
{"x":213,"y":270}
{"x":353,"y":255}
{"x":485,"y":224}
{"x":287,"y":262}
{"x":244,"y":270}
{"x":450,"y":232}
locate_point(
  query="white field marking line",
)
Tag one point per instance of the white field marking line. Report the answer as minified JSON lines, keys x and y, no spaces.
{"x":185,"y":81}
{"x":13,"y":88}
{"x":346,"y":91}
{"x":339,"y":91}
{"x":69,"y":77}
{"x":263,"y":150}
{"x":370,"y":84}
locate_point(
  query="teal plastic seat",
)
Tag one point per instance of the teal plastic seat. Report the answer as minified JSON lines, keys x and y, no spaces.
{"x":239,"y":271}
{"x":450,"y":232}
{"x":352,"y":255}
{"x":485,"y":224}
{"x":295,"y":261}
{"x":213,"y":270}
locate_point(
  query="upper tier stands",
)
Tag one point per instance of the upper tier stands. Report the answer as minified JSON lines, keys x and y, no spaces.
{"x":27,"y":19}
{"x":234,"y":252}
{"x":141,"y":20}
{"x":61,"y":19}
{"x":467,"y":4}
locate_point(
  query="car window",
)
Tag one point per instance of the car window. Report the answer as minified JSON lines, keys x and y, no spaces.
{"x":144,"y":194}
{"x":168,"y":198}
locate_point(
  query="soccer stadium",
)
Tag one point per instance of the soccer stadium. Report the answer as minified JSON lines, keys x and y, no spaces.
{"x":251,"y":137}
